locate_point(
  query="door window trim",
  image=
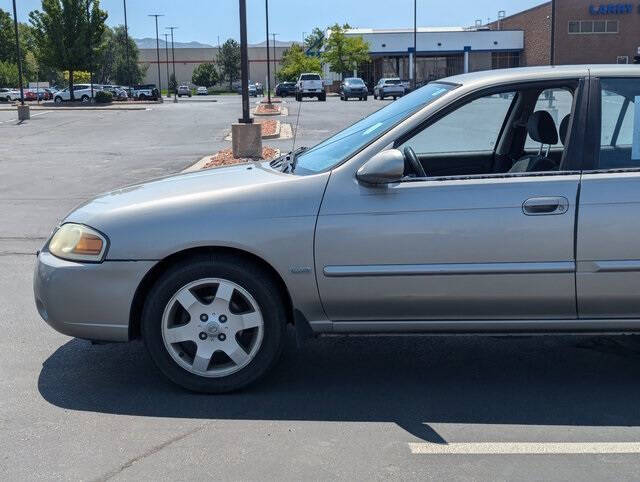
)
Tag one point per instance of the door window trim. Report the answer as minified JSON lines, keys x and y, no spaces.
{"x":593,"y":146}
{"x":581,"y":104}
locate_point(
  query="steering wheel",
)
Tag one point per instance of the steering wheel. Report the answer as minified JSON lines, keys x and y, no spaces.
{"x":414,"y":162}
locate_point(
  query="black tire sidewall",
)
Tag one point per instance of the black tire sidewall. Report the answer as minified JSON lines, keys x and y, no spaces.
{"x":258,"y":283}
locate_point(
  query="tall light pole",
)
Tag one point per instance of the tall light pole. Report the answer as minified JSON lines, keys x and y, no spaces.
{"x":126,"y":42}
{"x":156,"y":15}
{"x":244,"y":63}
{"x":415,"y":42}
{"x":89,"y":45}
{"x":173,"y":61}
{"x":166,"y":56}
{"x":15,"y":25}
{"x":266,"y":8}
{"x":275,"y":63}
{"x":552,"y":54}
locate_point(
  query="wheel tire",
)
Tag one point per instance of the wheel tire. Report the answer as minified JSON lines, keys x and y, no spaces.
{"x":298,"y":98}
{"x":395,"y":97}
{"x":322,"y":97}
{"x":57,"y":100}
{"x":84,"y":99}
{"x":257,"y":282}
{"x":142,"y":97}
{"x":364,"y":98}
{"x":381,"y":96}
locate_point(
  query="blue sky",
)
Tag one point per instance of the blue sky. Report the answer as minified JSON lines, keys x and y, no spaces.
{"x":205,"y":20}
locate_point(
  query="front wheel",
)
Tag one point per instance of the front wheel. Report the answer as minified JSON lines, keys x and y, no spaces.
{"x":85,"y":99}
{"x":214,"y":324}
{"x":57,"y":100}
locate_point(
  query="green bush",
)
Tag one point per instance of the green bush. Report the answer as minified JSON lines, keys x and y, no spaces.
{"x":103,"y":97}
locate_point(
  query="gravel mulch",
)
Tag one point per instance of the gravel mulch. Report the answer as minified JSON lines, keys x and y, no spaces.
{"x":268,"y":109}
{"x":269,"y":127}
{"x":225,"y":157}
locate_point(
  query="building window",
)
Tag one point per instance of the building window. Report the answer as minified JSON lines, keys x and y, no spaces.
{"x":505,"y":60}
{"x":593,"y":26}
{"x":586,"y":26}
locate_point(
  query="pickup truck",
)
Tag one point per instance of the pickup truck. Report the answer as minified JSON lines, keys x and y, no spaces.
{"x":310,"y":85}
{"x":145,"y":92}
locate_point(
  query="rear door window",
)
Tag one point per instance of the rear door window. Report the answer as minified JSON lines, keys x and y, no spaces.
{"x":620,"y":124}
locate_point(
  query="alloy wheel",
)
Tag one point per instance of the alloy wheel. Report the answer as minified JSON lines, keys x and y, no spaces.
{"x":212,"y":327}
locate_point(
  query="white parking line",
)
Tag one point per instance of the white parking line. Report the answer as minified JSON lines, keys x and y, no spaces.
{"x":32,"y":115}
{"x":525,"y":448}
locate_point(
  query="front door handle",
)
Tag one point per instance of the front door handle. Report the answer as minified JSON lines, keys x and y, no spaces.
{"x":545,"y":206}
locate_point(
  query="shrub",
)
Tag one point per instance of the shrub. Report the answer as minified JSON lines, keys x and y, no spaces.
{"x":103,"y":97}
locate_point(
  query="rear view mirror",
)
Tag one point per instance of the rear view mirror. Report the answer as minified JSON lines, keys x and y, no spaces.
{"x":383,"y":168}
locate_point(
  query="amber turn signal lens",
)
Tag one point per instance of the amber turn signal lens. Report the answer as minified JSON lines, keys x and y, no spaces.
{"x":88,"y":244}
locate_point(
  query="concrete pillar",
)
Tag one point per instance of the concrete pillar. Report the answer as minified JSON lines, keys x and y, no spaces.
{"x":466,"y":59}
{"x":23,"y":113}
{"x":246,"y":140}
{"x":411,"y":73}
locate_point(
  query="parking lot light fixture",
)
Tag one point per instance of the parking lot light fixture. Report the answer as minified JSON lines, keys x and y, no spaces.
{"x":173,"y":61}
{"x":266,"y":9}
{"x":166,"y":56}
{"x":23,"y":110}
{"x":156,"y":15}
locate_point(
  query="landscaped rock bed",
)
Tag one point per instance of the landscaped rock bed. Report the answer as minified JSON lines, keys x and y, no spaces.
{"x":267,"y":109}
{"x":269,"y":127}
{"x":225,"y":157}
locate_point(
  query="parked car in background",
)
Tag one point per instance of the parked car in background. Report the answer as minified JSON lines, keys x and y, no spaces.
{"x":310,"y":85}
{"x":9,"y":95}
{"x":184,"y":90}
{"x":81,"y":92}
{"x":391,"y":87}
{"x":284,"y":89}
{"x":353,"y":87}
{"x":30,"y":95}
{"x":253,"y":92}
{"x":118,"y":92}
{"x":259,"y":88}
{"x":145,"y":92}
{"x":202,"y":91}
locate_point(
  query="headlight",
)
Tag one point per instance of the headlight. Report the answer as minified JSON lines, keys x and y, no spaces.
{"x":76,"y":242}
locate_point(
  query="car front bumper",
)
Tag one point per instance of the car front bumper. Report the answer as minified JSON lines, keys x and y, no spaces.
{"x":87,"y":300}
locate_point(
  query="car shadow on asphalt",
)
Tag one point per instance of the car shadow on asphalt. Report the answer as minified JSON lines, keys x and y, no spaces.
{"x":411,"y":381}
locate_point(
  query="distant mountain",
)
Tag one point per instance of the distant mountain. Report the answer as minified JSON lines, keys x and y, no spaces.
{"x":150,"y":43}
{"x":278,"y":44}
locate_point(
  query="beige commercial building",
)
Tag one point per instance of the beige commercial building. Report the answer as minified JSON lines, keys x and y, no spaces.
{"x":187,"y":59}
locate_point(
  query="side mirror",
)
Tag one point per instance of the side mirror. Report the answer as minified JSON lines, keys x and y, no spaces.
{"x":383,"y":168}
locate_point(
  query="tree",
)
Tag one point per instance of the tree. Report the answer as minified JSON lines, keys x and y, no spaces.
{"x":294,"y":62}
{"x":343,"y":53}
{"x":66,"y":37}
{"x":228,"y":61}
{"x":8,"y":73}
{"x":111,"y":64}
{"x":205,"y":75}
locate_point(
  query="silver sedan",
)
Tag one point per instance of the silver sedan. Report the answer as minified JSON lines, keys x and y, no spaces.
{"x":493,"y":202}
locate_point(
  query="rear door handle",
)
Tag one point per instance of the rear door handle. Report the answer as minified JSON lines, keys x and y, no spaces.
{"x":545,"y":206}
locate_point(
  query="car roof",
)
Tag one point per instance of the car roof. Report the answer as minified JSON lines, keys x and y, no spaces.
{"x":525,"y":74}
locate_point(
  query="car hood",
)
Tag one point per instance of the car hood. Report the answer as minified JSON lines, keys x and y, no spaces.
{"x":182,"y":209}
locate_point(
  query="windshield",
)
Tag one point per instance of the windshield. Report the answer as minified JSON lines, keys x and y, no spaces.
{"x":354,"y":81}
{"x":344,"y":144}
{"x":310,"y":77}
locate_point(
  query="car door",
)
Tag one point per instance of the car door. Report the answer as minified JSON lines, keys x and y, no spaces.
{"x":486,"y":247}
{"x":608,"y":230}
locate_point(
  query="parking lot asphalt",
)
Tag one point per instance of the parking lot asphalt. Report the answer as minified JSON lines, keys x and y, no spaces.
{"x":356,"y":408}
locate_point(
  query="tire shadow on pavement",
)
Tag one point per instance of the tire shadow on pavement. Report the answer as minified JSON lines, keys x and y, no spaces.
{"x":411,"y":381}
